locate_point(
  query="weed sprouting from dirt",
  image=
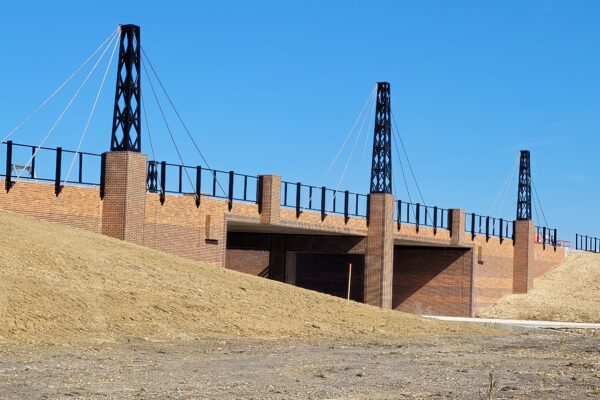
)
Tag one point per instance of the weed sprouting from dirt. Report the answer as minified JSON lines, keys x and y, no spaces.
{"x":489,"y":393}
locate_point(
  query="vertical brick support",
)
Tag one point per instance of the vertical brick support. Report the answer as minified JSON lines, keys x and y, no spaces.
{"x":271,"y":199}
{"x":123,"y":208}
{"x":379,"y":259}
{"x":523,"y":256}
{"x":457,"y":226}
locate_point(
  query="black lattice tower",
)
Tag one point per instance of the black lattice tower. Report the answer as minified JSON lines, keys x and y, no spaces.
{"x":127,"y":128}
{"x":381,"y":168}
{"x":524,"y":193}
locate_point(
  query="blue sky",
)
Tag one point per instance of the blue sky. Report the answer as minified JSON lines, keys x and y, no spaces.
{"x":274,"y":87}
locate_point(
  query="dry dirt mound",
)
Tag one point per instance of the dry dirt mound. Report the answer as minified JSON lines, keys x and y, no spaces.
{"x":570,"y":292}
{"x":61,"y":285}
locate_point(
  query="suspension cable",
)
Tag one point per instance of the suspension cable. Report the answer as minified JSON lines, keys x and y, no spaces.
{"x":59,"y":88}
{"x":539,"y":203}
{"x":149,"y":134}
{"x":63,"y":112}
{"x":179,"y":117}
{"x":364,"y":151}
{"x":359,"y":134}
{"x":501,"y":196}
{"x":364,"y":107}
{"x":407,"y":159}
{"x":87,"y":124}
{"x":369,"y":99}
{"x":169,"y":130}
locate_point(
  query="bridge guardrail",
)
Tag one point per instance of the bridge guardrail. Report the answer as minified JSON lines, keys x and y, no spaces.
{"x":587,"y":243}
{"x":322,"y":199}
{"x":164,"y":177}
{"x":476,"y":224}
{"x":48,"y":164}
{"x":421,"y":215}
{"x":546,"y":236}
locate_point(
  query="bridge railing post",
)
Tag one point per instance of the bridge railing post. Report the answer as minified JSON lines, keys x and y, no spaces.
{"x":323,"y":202}
{"x":298,"y":198}
{"x":58,"y":171}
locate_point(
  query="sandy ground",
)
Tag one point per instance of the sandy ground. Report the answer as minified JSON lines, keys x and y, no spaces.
{"x":540,"y":366}
{"x":86,"y":316}
{"x":570,"y":292}
{"x":60,"y":285}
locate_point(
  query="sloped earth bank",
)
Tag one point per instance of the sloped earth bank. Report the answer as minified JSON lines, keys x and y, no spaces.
{"x":60,"y":285}
{"x":570,"y":292}
{"x":540,"y":366}
{"x":86,"y":316}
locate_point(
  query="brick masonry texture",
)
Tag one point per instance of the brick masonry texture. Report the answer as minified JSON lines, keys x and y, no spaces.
{"x":76,"y":206}
{"x":180,"y":228}
{"x":379,"y":257}
{"x":523,"y":256}
{"x":433,"y":280}
{"x":492,"y":270}
{"x":124,"y":195}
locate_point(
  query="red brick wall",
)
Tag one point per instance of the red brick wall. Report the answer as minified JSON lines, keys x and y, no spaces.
{"x":545,"y":260}
{"x":432,"y":280}
{"x":77,"y":206}
{"x":492,"y":270}
{"x":253,"y":262}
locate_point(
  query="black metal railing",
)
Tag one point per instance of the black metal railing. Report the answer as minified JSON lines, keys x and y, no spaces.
{"x":546,"y":236}
{"x":23,"y":161}
{"x":587,"y":243}
{"x":164,"y":177}
{"x":322,"y":199}
{"x":476,"y":224}
{"x":421,"y":215}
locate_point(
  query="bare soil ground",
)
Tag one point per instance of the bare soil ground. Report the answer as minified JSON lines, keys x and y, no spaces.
{"x":540,"y":366}
{"x":570,"y":292}
{"x":60,"y":285}
{"x":86,"y":316}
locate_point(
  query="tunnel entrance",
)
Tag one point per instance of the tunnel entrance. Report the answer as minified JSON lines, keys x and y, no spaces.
{"x":328,"y":273}
{"x":314,"y":262}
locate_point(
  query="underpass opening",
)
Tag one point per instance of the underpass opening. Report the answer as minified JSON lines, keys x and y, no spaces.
{"x":314,"y":262}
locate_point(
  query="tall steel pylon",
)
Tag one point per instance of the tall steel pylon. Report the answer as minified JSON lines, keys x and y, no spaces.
{"x":127,"y":126}
{"x":524,"y":191}
{"x":381,"y":168}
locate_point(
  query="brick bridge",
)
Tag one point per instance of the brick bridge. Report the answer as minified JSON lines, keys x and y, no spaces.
{"x":410,"y":257}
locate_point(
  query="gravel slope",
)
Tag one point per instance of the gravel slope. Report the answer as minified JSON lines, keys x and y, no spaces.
{"x":570,"y":292}
{"x":63,"y":285}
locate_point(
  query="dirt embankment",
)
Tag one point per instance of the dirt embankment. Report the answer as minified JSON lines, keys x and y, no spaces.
{"x":64,"y":285}
{"x":570,"y":292}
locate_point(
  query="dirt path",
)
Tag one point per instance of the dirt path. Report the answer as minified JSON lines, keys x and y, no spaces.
{"x":548,"y":366}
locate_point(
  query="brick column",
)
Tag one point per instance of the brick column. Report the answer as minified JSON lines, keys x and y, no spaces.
{"x":270,"y":199}
{"x":379,"y":258}
{"x":457,"y":226}
{"x":523,"y":256}
{"x":123,"y":207}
